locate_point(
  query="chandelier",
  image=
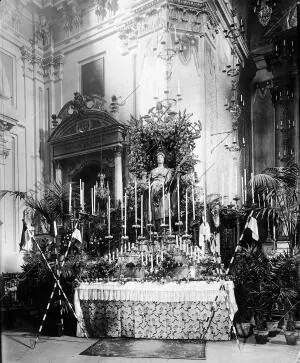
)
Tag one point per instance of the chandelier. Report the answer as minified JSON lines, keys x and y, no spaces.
{"x":234,"y":106}
{"x":168,"y":46}
{"x":236,"y":29}
{"x":233,"y":69}
{"x":264,"y":9}
{"x":235,"y":146}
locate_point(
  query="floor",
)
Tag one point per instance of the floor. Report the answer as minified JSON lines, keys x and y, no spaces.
{"x":16,"y":347}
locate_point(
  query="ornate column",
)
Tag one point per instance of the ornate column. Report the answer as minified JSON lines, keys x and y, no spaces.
{"x":118,"y":173}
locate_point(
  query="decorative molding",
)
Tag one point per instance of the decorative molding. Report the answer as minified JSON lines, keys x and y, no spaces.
{"x":53,"y":67}
{"x":106,"y":8}
{"x":71,"y":16}
{"x":10,"y":14}
{"x":42,"y":35}
{"x":5,"y":139}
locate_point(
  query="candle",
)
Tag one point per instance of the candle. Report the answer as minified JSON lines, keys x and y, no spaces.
{"x":82,"y":185}
{"x":108,"y":214}
{"x":135,"y":200}
{"x":142,"y":204}
{"x":178,"y":197}
{"x":157,"y":259}
{"x":242,"y":184}
{"x":95,"y":200}
{"x":163,"y":200}
{"x":170,"y":224}
{"x":162,"y":256}
{"x":122,"y":210}
{"x":245,"y":185}
{"x":149,"y":202}
{"x":193,"y":201}
{"x":92,"y":200}
{"x":70,"y":198}
{"x":186,"y":212}
{"x":236,"y":180}
{"x":252,"y":186}
{"x":80,"y":195}
{"x":125,"y":213}
{"x":204,"y":201}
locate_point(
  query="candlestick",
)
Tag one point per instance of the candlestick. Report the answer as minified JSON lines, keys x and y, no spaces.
{"x":149,"y":202}
{"x":163,"y":198}
{"x":125,"y":214}
{"x":245,"y":185}
{"x":178,"y":197}
{"x":252,"y":186}
{"x":108,"y":215}
{"x":142,"y":205}
{"x":186,"y":211}
{"x":193,"y":201}
{"x":135,"y":200}
{"x":70,"y":198}
{"x":170,"y":224}
{"x":242,"y":184}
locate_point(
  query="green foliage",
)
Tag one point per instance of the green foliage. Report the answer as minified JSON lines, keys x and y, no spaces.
{"x":173,"y":133}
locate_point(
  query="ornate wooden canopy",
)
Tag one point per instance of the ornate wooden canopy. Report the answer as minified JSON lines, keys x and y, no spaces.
{"x":85,"y":127}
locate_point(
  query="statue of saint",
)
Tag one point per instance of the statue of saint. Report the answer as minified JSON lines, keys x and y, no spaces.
{"x":160,"y":177}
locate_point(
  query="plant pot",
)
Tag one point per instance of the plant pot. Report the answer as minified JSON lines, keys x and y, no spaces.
{"x":272,"y":328}
{"x":243,"y":329}
{"x":291,"y":337}
{"x":261,"y":336}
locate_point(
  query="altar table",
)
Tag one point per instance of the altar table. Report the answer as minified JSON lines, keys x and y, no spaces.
{"x":155,"y":311}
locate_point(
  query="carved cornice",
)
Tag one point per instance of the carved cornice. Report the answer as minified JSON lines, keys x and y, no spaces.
{"x":71,"y":16}
{"x":53,"y":66}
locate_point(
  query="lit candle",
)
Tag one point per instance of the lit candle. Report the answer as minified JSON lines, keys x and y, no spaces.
{"x":170,"y":217}
{"x":178,"y":197}
{"x":193,"y":201}
{"x":186,"y":212}
{"x":125,"y":214}
{"x":149,"y":202}
{"x":135,"y":200}
{"x":70,"y":198}
{"x":108,"y":214}
{"x":142,"y":205}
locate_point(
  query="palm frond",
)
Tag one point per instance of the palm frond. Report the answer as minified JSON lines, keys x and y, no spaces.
{"x":15,"y":194}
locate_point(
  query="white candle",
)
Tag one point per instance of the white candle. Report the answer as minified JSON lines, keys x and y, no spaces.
{"x":70,"y":198}
{"x":163,"y":200}
{"x":170,"y":217}
{"x":186,"y":212}
{"x":157,"y":259}
{"x":92,"y":200}
{"x":149,"y":202}
{"x":245,"y":185}
{"x":193,"y":201}
{"x":82,"y":185}
{"x":125,"y":214}
{"x":178,"y":197}
{"x":80,"y":193}
{"x":95,"y":207}
{"x":142,"y":205}
{"x":204,"y":202}
{"x":252,"y":186}
{"x":122,"y":210}
{"x":242,"y":184}
{"x":236,"y":180}
{"x":135,"y":200}
{"x":108,"y":214}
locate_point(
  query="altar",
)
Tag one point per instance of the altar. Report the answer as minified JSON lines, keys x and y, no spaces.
{"x":156,"y":311}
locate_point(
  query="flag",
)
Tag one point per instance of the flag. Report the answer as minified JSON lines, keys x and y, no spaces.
{"x":77,"y":235}
{"x":252,"y":225}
